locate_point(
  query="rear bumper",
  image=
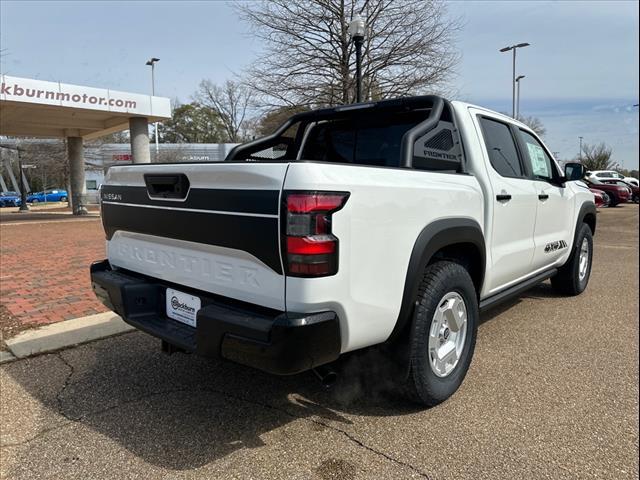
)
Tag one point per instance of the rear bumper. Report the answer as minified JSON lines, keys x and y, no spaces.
{"x":277,"y":342}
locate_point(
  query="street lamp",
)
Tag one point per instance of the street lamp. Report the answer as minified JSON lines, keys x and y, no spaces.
{"x":513,"y":78}
{"x":357,"y":30}
{"x":151,"y":63}
{"x":518,"y":78}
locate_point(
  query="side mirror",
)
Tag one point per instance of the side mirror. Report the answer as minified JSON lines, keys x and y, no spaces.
{"x":574,"y":171}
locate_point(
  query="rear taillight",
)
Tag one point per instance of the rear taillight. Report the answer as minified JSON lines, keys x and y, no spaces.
{"x":309,"y":247}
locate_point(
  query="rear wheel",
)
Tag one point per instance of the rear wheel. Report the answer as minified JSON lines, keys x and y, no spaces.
{"x":63,"y":199}
{"x":613,"y":200}
{"x":573,"y":277}
{"x":443,"y":333}
{"x":35,"y":200}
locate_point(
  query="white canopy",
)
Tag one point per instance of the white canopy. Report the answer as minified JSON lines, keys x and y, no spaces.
{"x":37,"y":108}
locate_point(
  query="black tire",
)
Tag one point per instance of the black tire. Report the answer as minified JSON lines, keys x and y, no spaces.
{"x":568,"y":281}
{"x":63,"y":199}
{"x":422,"y":384}
{"x":613,"y":200}
{"x":35,"y":200}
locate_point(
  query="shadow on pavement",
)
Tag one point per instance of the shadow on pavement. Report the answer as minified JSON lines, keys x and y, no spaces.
{"x":180,"y":412}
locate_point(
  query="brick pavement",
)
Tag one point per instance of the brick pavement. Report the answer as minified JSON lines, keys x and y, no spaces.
{"x":44,"y":269}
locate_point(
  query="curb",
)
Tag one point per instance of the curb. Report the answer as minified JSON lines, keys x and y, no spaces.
{"x":63,"y":335}
{"x":6,"y":357}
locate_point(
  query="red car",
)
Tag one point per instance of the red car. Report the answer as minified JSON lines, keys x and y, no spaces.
{"x":635,"y":191}
{"x":617,"y":193}
{"x":600,"y":197}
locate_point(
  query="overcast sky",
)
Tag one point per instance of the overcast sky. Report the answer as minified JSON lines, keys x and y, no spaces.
{"x":581,"y":68}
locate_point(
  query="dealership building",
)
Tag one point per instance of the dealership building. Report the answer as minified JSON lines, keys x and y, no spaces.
{"x":40,"y":109}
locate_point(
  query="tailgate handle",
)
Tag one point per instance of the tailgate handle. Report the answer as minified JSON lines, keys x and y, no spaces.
{"x":161,"y":186}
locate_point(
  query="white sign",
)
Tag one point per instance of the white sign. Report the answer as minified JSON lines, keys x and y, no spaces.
{"x":538,"y":161}
{"x":16,"y":89}
{"x":182,"y":306}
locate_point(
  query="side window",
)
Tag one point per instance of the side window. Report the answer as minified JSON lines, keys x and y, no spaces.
{"x":501,"y":148}
{"x":541,"y":164}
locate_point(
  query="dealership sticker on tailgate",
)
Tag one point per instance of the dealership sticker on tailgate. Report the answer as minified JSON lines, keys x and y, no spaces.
{"x":182,"y":306}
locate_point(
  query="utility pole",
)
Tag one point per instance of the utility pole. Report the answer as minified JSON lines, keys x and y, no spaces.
{"x":580,"y":154}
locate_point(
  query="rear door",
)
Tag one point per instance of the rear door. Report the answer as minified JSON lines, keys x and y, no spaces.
{"x":514,"y":202}
{"x":554,"y":216}
{"x":212,"y":227}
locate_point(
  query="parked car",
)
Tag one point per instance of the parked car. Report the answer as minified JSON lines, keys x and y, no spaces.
{"x":617,"y":193}
{"x":635,"y":191}
{"x":10,"y":199}
{"x":601,"y":198}
{"x":612,"y":175}
{"x":48,"y":196}
{"x":373,"y":226}
{"x":601,"y":174}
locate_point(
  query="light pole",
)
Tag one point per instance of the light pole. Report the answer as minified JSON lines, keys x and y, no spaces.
{"x":580,"y":155}
{"x":357,"y":30}
{"x":23,"y":188}
{"x":513,"y":78}
{"x":152,"y":62}
{"x":518,"y":78}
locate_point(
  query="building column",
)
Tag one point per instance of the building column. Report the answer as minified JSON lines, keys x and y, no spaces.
{"x":139,"y":134}
{"x":77,"y":195}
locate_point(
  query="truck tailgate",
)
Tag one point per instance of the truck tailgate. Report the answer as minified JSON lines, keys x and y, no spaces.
{"x":212,"y":227}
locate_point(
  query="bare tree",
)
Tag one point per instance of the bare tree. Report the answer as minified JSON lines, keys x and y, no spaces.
{"x":171,"y":156}
{"x":232,"y":101}
{"x":308,"y":56}
{"x":50,"y":159}
{"x":534,"y":123}
{"x":598,"y":157}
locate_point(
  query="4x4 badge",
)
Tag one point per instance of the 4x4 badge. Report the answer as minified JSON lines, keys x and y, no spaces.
{"x":553,"y":246}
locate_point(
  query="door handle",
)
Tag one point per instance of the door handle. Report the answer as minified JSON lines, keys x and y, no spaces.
{"x":503,"y":197}
{"x":543,"y":197}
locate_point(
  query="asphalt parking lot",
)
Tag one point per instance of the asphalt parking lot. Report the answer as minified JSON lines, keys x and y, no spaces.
{"x":552,"y":393}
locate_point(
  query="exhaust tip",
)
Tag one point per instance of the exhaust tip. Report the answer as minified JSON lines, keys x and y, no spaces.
{"x":327,"y":377}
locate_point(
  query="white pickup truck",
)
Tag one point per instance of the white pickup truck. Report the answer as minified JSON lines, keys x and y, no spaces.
{"x":387,"y":223}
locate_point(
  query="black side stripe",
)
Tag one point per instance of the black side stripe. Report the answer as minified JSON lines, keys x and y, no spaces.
{"x":255,"y":235}
{"x":263,"y":202}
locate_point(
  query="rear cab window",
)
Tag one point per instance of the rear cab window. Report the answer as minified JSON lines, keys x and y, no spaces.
{"x":377,"y":141}
{"x":360,"y":141}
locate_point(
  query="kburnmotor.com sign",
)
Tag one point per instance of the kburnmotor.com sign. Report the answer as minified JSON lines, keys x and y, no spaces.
{"x":64,"y":95}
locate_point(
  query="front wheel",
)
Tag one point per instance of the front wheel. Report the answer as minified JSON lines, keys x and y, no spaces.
{"x":573,"y":276}
{"x":35,"y":200}
{"x":443,"y":333}
{"x":63,"y":199}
